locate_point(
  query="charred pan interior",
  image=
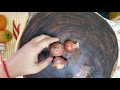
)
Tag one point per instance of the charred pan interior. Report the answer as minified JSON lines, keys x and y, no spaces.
{"x":98,"y":44}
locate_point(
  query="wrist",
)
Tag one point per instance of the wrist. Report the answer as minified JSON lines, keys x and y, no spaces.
{"x":2,"y":72}
{"x":11,"y":69}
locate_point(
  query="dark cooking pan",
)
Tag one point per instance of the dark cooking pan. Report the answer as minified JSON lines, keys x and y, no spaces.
{"x":98,"y":44}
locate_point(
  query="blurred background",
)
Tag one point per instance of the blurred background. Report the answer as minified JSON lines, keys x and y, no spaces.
{"x":114,"y":16}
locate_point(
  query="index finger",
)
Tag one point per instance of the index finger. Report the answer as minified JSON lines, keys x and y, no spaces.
{"x":45,"y":43}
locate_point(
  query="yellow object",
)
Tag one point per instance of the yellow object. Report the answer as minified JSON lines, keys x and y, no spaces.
{"x":19,"y":18}
{"x":114,"y":16}
{"x":3,"y":22}
{"x":5,"y":36}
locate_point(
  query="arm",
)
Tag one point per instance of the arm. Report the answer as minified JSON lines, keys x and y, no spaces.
{"x":2,"y":73}
{"x":24,"y":61}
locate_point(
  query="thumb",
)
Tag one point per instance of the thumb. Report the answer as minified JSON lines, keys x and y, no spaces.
{"x":43,"y":64}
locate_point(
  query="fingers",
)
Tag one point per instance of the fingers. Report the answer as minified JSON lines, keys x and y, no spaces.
{"x":39,"y":38}
{"x":42,"y":65}
{"x":45,"y":43}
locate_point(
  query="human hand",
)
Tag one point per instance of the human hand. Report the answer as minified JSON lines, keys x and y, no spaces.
{"x":24,"y":61}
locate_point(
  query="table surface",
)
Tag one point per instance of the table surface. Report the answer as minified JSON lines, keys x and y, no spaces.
{"x":116,"y":27}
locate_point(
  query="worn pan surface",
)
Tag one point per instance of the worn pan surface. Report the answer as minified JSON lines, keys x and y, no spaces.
{"x":98,"y":44}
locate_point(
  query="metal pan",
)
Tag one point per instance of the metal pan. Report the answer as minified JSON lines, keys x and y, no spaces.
{"x":98,"y":44}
